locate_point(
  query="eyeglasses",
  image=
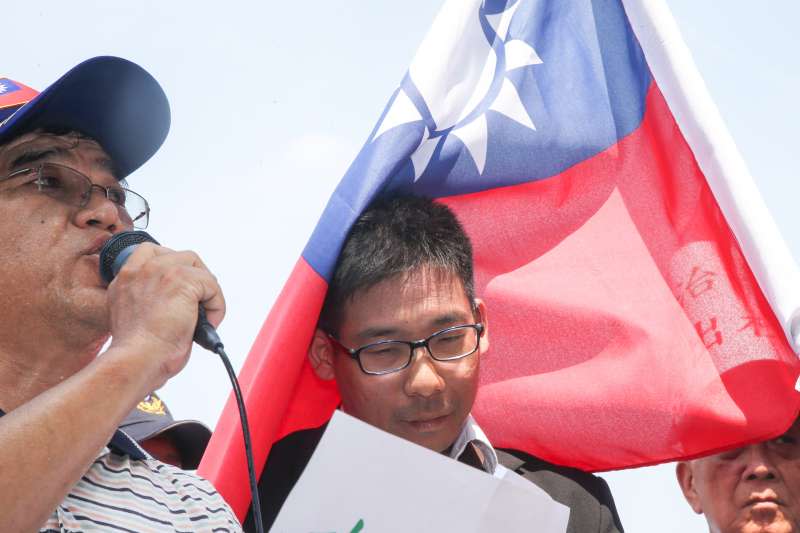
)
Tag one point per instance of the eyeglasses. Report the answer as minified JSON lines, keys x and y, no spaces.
{"x":69,"y":186}
{"x":385,"y":357}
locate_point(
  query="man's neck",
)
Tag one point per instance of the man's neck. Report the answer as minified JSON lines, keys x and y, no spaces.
{"x":30,"y":365}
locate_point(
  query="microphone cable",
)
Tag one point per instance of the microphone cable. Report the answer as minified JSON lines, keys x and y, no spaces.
{"x":112,"y":257}
{"x":248,"y":447}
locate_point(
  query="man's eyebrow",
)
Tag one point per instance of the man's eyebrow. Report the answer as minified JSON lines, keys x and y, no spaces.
{"x":105,"y":163}
{"x":453,"y":318}
{"x":33,"y":156}
{"x":378,"y":332}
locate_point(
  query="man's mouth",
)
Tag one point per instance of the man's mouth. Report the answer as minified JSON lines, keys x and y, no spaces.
{"x":428,"y":423}
{"x":97,"y":245}
{"x":767,"y":498}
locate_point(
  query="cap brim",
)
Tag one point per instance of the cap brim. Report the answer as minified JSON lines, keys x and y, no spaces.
{"x":110,"y":99}
{"x":191,"y":438}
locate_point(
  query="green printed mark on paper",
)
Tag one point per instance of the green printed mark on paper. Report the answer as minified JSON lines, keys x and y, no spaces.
{"x":356,"y":528}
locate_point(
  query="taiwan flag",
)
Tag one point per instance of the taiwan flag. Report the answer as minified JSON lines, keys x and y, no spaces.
{"x":13,"y":95}
{"x":642,"y":302}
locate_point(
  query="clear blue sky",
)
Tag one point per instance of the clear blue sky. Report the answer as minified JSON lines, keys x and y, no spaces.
{"x":271,"y":100}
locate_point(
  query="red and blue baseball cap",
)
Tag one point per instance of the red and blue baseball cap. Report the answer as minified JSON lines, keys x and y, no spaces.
{"x":110,"y":99}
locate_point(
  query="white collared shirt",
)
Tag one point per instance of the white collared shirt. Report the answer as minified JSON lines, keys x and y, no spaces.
{"x":471,"y":432}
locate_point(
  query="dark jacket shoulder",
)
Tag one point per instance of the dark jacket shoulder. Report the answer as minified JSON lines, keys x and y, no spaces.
{"x":591,"y":504}
{"x":285,"y":464}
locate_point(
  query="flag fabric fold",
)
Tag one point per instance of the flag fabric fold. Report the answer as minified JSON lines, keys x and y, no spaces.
{"x":640,"y":299}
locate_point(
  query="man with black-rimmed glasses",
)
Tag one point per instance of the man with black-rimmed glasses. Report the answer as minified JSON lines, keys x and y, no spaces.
{"x":402,"y":334}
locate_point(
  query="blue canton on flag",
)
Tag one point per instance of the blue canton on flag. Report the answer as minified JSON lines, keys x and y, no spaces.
{"x":8,"y":86}
{"x":496,"y":100}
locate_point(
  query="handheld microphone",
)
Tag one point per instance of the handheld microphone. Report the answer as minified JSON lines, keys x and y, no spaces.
{"x":113,"y":256}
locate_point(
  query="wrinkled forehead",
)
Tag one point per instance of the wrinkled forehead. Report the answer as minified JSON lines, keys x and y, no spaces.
{"x":40,"y":146}
{"x":793,"y":432}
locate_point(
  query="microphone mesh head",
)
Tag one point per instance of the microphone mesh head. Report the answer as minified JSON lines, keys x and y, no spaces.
{"x":114,"y":246}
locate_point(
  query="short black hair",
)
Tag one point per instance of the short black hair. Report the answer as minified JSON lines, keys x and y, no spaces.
{"x":395,"y":236}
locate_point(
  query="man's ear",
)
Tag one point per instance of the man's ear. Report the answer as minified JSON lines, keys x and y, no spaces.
{"x":483,"y":318}
{"x":686,"y":479}
{"x":320,"y":355}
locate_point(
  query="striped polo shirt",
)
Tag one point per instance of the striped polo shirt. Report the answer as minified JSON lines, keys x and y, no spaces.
{"x":125,"y":489}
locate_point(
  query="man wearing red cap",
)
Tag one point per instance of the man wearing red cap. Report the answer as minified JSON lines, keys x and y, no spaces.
{"x":63,"y":155}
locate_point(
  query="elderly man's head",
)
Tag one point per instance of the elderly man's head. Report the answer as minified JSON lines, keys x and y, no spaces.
{"x":747,"y":490}
{"x":63,"y":154}
{"x":54,"y":218}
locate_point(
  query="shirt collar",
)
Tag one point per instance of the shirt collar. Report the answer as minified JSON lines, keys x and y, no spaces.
{"x":123,"y":444}
{"x":471,"y":433}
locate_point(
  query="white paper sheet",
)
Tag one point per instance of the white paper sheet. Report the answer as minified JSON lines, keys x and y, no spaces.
{"x":364,"y":480}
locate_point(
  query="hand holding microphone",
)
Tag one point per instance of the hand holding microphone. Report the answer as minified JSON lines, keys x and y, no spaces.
{"x":144,"y":275}
{"x":154,"y":297}
{"x":113,"y":256}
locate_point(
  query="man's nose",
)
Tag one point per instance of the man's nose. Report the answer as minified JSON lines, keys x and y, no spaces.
{"x":759,"y":463}
{"x":100,"y":212}
{"x":423,"y":375}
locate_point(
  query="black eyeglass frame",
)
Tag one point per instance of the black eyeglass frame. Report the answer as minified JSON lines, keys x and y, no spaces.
{"x":355,"y":353}
{"x":36,"y":171}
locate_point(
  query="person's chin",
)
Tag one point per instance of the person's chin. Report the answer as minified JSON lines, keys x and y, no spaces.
{"x":767,"y":517}
{"x":89,"y":271}
{"x":86,"y":293}
{"x":88,"y":304}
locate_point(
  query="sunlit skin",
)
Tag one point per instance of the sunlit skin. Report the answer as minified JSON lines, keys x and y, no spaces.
{"x":754,"y":489}
{"x":57,"y":315}
{"x":62,"y":286}
{"x":427,"y":402}
{"x":163,"y":448}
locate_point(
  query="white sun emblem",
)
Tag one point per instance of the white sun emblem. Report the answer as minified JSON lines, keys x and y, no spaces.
{"x":454,"y":71}
{"x":3,"y":88}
